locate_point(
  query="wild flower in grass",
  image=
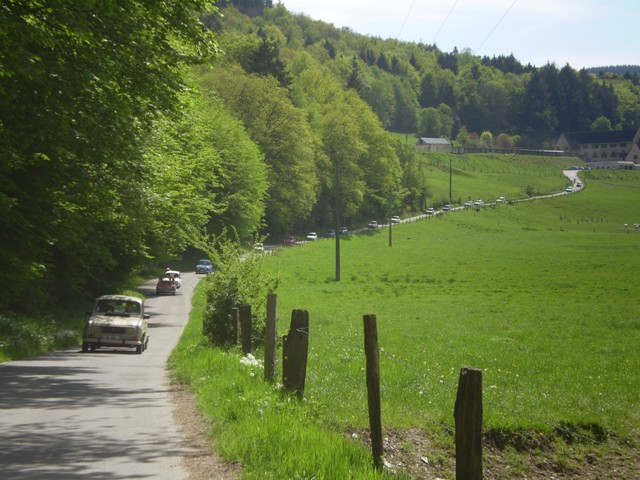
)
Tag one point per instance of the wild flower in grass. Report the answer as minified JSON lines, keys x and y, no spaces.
{"x":251,"y":361}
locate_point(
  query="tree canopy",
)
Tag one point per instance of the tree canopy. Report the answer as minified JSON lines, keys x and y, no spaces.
{"x":82,"y":85}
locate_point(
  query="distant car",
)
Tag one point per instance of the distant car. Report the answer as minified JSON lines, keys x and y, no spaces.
{"x":312,"y":236}
{"x":579,"y":184}
{"x":395,"y":219}
{"x":468,"y":204}
{"x":372,"y":225}
{"x":330,"y":233}
{"x":569,"y":189}
{"x":204,"y":266}
{"x":446,"y":208}
{"x":431,"y":211}
{"x":478,"y":203}
{"x":501,"y":200}
{"x":176,"y":276}
{"x":116,"y":321}
{"x":289,"y":240}
{"x":344,"y":231}
{"x":166,"y":285}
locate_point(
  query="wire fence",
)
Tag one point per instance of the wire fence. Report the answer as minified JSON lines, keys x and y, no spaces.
{"x":351,"y":347}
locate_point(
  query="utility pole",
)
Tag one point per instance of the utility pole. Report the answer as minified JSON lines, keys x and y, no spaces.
{"x":449,"y":180}
{"x":390,"y":222}
{"x":337,"y":219}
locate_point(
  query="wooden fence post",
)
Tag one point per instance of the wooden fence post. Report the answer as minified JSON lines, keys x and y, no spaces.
{"x":235,"y":320}
{"x":295,"y":347}
{"x":270,"y":341}
{"x":373,"y":387}
{"x":468,"y":419}
{"x":245,"y":328}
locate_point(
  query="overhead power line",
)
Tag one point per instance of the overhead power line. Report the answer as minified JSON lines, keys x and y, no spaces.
{"x":495,"y":26}
{"x":444,"y":21}
{"x":405,"y":19}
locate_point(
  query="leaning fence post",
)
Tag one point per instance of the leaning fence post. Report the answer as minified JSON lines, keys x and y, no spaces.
{"x":468,"y":419}
{"x":271,"y":338}
{"x":245,"y":327}
{"x":295,"y":347}
{"x":373,"y":387}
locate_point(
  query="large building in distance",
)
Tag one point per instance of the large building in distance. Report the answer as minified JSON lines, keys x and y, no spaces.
{"x":615,"y":149}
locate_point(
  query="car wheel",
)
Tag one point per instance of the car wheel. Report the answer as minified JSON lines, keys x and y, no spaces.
{"x":139,"y":349}
{"x":85,"y":347}
{"x":92,"y":348}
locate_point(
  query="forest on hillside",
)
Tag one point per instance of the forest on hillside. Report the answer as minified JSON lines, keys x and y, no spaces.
{"x":130,"y":131}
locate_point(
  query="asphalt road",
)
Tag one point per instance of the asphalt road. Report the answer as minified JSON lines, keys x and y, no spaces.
{"x":102,"y":415}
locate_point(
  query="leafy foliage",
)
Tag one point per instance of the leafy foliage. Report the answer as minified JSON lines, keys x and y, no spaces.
{"x":81,"y":85}
{"x":239,"y":280}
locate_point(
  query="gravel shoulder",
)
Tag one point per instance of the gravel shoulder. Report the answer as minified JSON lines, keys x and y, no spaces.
{"x":202,"y":463}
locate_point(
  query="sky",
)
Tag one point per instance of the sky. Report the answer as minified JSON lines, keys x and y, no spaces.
{"x":582,"y":33}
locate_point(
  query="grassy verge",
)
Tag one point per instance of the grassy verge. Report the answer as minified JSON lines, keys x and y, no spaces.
{"x":256,"y":424}
{"x":22,"y":337}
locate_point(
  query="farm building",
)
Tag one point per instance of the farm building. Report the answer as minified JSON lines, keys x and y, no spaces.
{"x":433,"y":145}
{"x":615,"y":149}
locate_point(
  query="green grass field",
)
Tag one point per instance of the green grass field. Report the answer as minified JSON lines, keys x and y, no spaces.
{"x":539,"y":295}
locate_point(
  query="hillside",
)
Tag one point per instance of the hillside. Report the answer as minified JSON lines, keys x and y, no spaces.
{"x":257,"y":122}
{"x":417,"y":88}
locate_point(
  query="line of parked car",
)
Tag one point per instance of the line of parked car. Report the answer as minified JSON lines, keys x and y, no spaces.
{"x":290,"y":240}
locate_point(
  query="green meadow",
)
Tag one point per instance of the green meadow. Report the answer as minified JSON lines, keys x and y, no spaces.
{"x":540,"y":295}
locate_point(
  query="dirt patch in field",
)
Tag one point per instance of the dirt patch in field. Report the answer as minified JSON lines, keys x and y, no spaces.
{"x":413,"y":453}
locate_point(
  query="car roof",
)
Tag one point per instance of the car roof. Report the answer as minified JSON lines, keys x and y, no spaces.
{"x":172,"y":271}
{"x":120,"y":298}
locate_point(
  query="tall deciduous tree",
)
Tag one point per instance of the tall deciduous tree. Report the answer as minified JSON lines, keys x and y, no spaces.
{"x":82,"y":82}
{"x":283,"y":134}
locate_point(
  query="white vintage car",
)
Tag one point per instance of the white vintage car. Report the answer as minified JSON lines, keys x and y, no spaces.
{"x":176,"y":277}
{"x":116,"y":321}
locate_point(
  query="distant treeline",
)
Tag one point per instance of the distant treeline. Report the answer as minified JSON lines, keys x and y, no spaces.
{"x":622,"y":70}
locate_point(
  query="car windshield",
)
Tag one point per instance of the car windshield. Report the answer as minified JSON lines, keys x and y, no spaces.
{"x":205,"y":262}
{"x":118,"y":307}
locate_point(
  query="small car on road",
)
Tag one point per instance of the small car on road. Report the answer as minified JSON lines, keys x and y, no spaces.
{"x":289,"y":240}
{"x":312,"y":236}
{"x":395,"y":219}
{"x":176,"y":277}
{"x":372,"y":225}
{"x":116,"y":321}
{"x":204,"y":266}
{"x":166,"y":285}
